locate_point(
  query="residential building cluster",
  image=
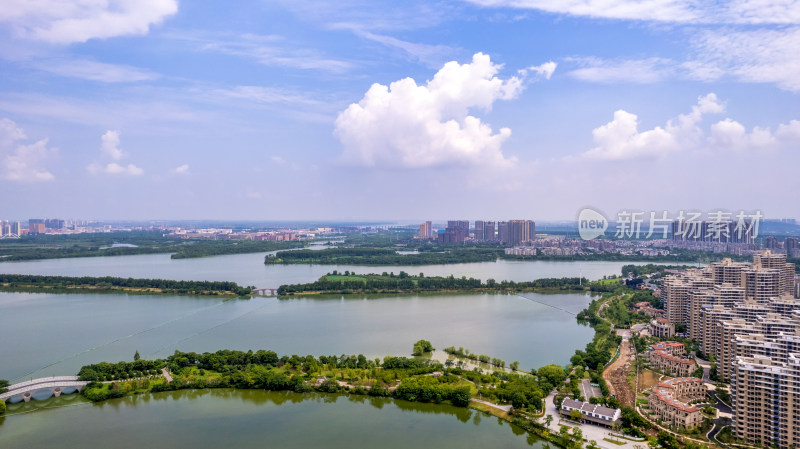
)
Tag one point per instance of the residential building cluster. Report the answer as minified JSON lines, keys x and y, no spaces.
{"x":747,"y":316}
{"x":230,"y":234}
{"x":669,"y":401}
{"x":511,"y":232}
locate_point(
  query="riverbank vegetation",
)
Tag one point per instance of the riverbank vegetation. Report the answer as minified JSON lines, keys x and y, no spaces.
{"x":87,"y":284}
{"x":37,"y":247}
{"x":352,"y":283}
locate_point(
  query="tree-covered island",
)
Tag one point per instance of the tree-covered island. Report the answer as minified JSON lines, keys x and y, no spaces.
{"x":352,"y":283}
{"x":107,"y":284}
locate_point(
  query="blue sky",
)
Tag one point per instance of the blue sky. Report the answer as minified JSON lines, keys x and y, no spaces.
{"x":397,"y":110}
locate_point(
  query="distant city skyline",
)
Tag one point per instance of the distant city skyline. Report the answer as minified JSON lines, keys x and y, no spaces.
{"x":354,"y":110}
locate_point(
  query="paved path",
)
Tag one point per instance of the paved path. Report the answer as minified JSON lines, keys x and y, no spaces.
{"x":505,"y":408}
{"x":166,"y":374}
{"x":588,"y":391}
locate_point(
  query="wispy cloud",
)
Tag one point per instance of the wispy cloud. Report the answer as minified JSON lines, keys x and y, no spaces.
{"x":757,"y":12}
{"x":63,"y":22}
{"x":265,"y":50}
{"x":643,"y":71}
{"x":268,"y":95}
{"x":95,"y":71}
{"x":430,"y":55}
{"x":757,"y":56}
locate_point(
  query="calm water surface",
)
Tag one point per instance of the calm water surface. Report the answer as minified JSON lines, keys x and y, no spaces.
{"x":249,"y":269}
{"x":256,"y":419}
{"x":56,"y":334}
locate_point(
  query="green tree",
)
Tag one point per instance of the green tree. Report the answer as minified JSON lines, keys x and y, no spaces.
{"x":2,"y":406}
{"x":514,"y":365}
{"x":554,"y":374}
{"x":3,"y":385}
{"x":548,"y":420}
{"x":136,"y":356}
{"x":422,"y":347}
{"x":667,"y":440}
{"x":460,"y":397}
{"x":575,"y":414}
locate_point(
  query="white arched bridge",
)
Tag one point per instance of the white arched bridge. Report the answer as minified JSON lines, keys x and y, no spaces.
{"x":25,"y":390}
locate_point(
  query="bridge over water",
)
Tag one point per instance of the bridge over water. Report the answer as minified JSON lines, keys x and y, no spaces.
{"x":266,"y":291}
{"x":56,"y":385}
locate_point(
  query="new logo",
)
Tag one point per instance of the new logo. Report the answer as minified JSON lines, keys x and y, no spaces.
{"x":591,"y":224}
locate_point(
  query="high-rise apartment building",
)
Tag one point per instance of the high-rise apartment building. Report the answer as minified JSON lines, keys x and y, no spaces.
{"x":765,"y":388}
{"x":485,"y":231}
{"x":425,"y":230}
{"x":515,"y":232}
{"x":456,"y":232}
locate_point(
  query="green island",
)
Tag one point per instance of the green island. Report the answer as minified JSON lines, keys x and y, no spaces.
{"x":352,"y":283}
{"x":86,"y":284}
{"x":38,"y":247}
{"x":383,"y":256}
{"x":412,"y":254}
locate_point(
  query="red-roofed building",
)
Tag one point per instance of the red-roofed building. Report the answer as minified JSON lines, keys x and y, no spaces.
{"x":669,"y":401}
{"x":665,"y":357}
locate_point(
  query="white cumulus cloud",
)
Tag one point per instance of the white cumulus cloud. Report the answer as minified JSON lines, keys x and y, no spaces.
{"x":182,"y":169}
{"x":410,"y":125}
{"x":66,"y":22}
{"x":21,"y":162}
{"x":621,"y":139}
{"x":731,"y":135}
{"x":109,"y":146}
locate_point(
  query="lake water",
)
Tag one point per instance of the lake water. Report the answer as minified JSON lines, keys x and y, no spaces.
{"x":249,"y":269}
{"x":55,"y":334}
{"x":255,"y":419}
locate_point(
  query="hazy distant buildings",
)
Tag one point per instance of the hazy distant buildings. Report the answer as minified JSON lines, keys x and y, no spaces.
{"x":714,"y":232}
{"x":36,"y":226}
{"x":520,"y":231}
{"x":485,"y":231}
{"x":54,"y":223}
{"x":425,"y":230}
{"x":456,"y":232}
